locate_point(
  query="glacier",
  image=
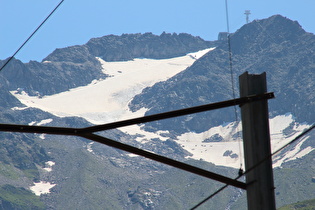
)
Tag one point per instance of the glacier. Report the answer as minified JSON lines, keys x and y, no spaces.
{"x":106,"y":100}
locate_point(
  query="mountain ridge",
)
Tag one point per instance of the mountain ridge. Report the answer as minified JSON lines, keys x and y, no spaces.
{"x":76,"y":66}
{"x":208,"y":79}
{"x":129,"y":46}
{"x":91,"y":175}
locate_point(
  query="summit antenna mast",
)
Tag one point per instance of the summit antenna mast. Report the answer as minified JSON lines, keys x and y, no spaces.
{"x":247,"y":13}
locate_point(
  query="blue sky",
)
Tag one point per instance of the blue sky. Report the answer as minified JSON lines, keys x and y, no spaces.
{"x":77,"y":21}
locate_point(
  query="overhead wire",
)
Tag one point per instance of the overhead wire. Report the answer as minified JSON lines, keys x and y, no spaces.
{"x":232,"y":81}
{"x":209,"y":197}
{"x":295,"y":139}
{"x":306,"y":131}
{"x":43,"y":22}
{"x":233,"y":88}
{"x":235,"y":110}
{"x":241,"y":173}
{"x":88,"y":133}
{"x":24,"y":43}
{"x":34,"y":32}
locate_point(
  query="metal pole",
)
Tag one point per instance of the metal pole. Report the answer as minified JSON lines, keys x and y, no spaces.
{"x":256,"y":137}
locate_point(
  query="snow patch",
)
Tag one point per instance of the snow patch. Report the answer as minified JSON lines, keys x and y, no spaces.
{"x":89,"y":147}
{"x":199,"y":54}
{"x":49,"y":165}
{"x":293,"y":154}
{"x":283,"y":129}
{"x":46,"y":121}
{"x":132,"y":155}
{"x":278,"y":125}
{"x":32,"y":123}
{"x":18,"y":108}
{"x":215,"y":152}
{"x":43,"y":122}
{"x":41,"y":188}
{"x":142,"y":135}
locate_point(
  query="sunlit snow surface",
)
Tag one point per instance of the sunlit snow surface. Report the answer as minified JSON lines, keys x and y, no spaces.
{"x":229,"y":152}
{"x":43,"y":187}
{"x":105,"y":101}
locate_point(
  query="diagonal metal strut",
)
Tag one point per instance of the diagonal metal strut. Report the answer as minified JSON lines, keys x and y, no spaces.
{"x":124,"y":147}
{"x":150,"y":118}
{"x":88,"y":134}
{"x":177,"y":113}
{"x":165,"y":160}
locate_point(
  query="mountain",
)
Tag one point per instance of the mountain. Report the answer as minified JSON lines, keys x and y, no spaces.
{"x":26,"y":160}
{"x":277,"y":46}
{"x":47,"y":78}
{"x":118,"y":77}
{"x":76,"y":66}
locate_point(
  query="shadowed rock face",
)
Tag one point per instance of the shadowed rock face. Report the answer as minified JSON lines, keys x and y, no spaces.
{"x":49,"y":78}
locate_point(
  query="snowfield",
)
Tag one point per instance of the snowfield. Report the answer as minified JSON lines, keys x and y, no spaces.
{"x":105,"y":101}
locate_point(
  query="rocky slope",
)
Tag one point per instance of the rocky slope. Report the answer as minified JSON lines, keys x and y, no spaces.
{"x":275,"y":45}
{"x":86,"y":175}
{"x":26,"y":158}
{"x":76,"y":66}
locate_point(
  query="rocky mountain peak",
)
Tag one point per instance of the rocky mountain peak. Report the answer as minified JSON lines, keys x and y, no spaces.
{"x":74,"y":66}
{"x":87,"y":175}
{"x":276,"y":45}
{"x":264,"y":33}
{"x":130,"y":46}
